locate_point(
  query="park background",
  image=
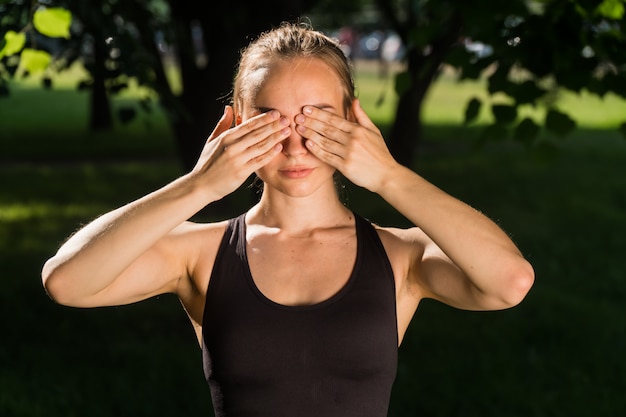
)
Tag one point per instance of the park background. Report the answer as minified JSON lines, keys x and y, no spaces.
{"x":560,"y":353}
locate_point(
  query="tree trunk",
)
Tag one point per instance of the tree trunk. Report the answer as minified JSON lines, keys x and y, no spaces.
{"x":423,"y":66}
{"x":100,"y":117}
{"x":207,"y":88}
{"x":406,"y":131}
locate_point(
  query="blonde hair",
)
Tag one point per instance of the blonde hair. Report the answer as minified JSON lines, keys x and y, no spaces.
{"x":285,"y":42}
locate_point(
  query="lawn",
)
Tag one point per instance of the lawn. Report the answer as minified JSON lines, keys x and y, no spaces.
{"x":560,"y":353}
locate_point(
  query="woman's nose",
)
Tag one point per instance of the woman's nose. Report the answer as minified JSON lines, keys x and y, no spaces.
{"x":294,"y":144}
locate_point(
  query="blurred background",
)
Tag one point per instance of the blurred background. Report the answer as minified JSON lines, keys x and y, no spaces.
{"x":518,"y":109}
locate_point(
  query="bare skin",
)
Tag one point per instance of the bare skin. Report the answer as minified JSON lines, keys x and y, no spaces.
{"x":301,"y":239}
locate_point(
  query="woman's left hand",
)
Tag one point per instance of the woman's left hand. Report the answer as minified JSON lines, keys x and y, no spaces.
{"x":357,"y":149}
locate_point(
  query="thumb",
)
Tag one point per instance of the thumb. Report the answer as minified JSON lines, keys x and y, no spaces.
{"x":225,"y":123}
{"x":361,"y":117}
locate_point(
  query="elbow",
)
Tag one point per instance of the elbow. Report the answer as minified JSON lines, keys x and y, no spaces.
{"x":55,"y":284}
{"x":518,"y":284}
{"x":50,"y":280}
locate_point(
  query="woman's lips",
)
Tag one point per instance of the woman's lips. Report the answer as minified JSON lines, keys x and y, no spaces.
{"x":295,"y":173}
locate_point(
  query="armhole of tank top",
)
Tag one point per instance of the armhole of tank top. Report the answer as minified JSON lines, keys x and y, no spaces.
{"x":380,"y":247}
{"x":226,"y":237}
{"x":387,"y":264}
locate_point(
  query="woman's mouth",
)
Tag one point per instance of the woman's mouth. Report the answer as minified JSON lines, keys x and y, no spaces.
{"x":295,"y":173}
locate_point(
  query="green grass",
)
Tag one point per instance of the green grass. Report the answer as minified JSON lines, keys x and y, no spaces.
{"x":42,"y":124}
{"x":560,"y":353}
{"x":446,"y":105}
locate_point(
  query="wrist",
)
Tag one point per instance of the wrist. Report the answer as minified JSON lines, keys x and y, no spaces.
{"x":392,"y":178}
{"x":198,"y":189}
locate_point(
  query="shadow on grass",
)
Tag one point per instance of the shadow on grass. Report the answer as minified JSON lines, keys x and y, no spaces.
{"x":560,"y":353}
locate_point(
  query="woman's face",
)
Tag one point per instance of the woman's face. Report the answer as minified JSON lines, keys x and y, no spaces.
{"x":287,"y":87}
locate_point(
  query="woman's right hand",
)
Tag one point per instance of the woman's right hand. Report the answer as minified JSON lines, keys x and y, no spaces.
{"x":232,"y":154}
{"x":108,"y":260}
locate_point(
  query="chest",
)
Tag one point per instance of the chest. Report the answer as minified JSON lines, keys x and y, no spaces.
{"x":304,"y":356}
{"x":301,"y":271}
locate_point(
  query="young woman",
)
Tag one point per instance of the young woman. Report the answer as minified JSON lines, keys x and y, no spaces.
{"x":299,"y":304}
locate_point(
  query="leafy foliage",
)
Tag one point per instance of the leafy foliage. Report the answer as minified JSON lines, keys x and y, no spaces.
{"x":49,"y":22}
{"x":53,"y":22}
{"x":526,"y":50}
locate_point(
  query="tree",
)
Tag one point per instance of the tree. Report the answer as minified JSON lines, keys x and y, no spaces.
{"x":531,"y":49}
{"x":118,"y":40}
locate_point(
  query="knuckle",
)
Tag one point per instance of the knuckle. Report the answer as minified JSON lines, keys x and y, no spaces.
{"x":326,"y":130}
{"x":261,"y":145}
{"x":326,"y":142}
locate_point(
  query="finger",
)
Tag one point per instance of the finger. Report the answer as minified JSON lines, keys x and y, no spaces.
{"x":263,"y":140}
{"x":254,"y":129}
{"x":361,"y":117}
{"x":265,"y":137}
{"x":324,"y":121}
{"x":257,"y":122}
{"x":332,"y":145}
{"x":261,"y":160}
{"x":323,"y":155}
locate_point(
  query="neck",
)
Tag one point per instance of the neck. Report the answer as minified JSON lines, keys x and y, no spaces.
{"x":299,"y":214}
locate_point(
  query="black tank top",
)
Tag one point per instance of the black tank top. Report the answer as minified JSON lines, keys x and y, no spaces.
{"x":337,"y":358}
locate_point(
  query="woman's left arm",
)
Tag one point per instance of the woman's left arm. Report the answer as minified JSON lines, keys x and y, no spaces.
{"x":467,"y":261}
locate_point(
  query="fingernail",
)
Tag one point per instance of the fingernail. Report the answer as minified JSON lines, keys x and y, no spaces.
{"x":284,"y":121}
{"x":300,"y":118}
{"x":307,"y":110}
{"x":274,"y":114}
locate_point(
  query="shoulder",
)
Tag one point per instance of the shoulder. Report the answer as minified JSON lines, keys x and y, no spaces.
{"x":405,"y":248}
{"x":403,"y":241}
{"x":197,"y":245}
{"x":192,"y":239}
{"x":190,"y":230}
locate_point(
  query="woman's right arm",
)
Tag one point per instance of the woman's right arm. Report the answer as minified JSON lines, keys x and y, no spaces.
{"x":138,"y":250}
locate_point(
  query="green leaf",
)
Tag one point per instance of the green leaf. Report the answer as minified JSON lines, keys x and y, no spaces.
{"x":504,"y":113}
{"x":611,"y":9}
{"x":403,"y":82}
{"x":527,"y":92}
{"x":559,"y":123}
{"x":526,"y":131}
{"x":499,"y":81}
{"x":13,"y":43}
{"x":53,"y":22}
{"x":472,"y":110}
{"x":33,"y":60}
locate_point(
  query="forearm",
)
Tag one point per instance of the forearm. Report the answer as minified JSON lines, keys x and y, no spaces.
{"x":474,"y":243}
{"x":97,"y":254}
